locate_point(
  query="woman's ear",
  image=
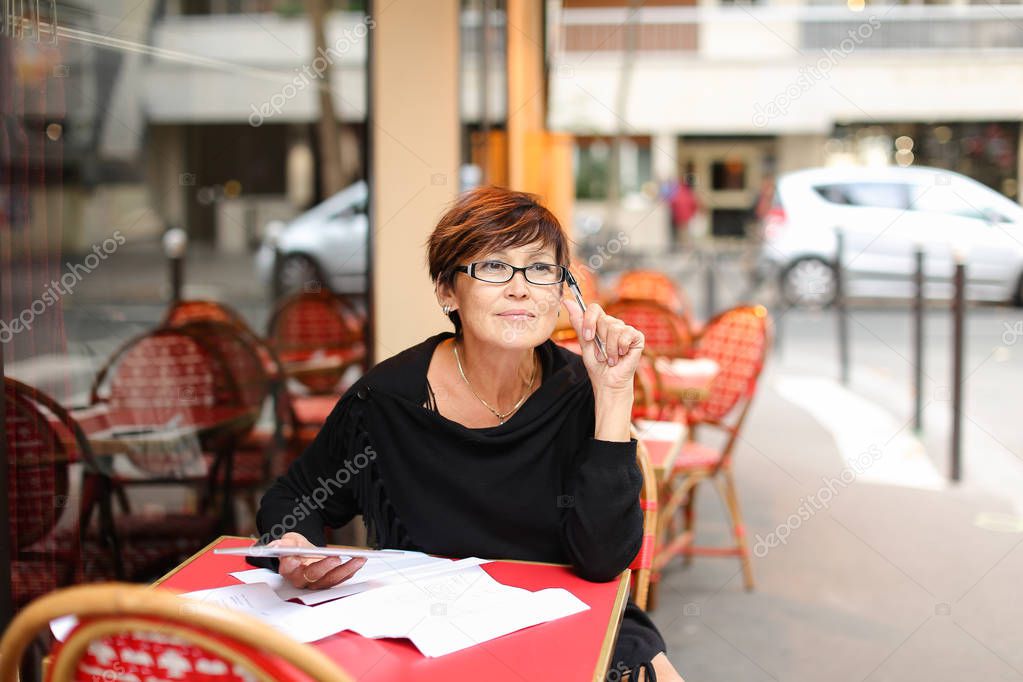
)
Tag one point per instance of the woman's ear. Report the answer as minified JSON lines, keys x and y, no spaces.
{"x":445,"y":296}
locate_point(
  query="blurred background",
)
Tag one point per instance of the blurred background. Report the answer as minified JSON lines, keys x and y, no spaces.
{"x":834,"y":162}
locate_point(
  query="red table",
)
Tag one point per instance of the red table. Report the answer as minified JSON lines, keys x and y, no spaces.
{"x":575,"y":648}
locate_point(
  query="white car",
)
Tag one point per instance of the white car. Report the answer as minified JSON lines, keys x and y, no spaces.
{"x":325,"y":245}
{"x":885,"y":215}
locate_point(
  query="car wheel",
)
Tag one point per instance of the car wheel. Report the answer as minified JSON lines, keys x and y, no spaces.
{"x":809,"y":282}
{"x":298,"y":272}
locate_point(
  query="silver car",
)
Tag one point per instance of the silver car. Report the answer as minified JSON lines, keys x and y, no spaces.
{"x":326,"y":245}
{"x":885,"y":215}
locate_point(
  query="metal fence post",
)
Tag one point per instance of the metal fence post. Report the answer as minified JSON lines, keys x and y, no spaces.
{"x":958,"y":315}
{"x":918,"y":342}
{"x":840,"y":307}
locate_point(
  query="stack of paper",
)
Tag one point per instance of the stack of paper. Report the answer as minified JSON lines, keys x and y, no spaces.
{"x":440,"y":611}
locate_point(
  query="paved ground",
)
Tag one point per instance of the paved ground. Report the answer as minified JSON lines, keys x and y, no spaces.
{"x":884,"y":582}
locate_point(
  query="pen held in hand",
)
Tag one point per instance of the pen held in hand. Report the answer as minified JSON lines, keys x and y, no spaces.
{"x":275,"y":552}
{"x":574,"y":286}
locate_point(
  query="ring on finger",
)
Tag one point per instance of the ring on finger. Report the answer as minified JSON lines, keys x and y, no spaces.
{"x":306,"y":578}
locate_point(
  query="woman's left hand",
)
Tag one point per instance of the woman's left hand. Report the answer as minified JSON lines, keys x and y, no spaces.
{"x":624,"y":345}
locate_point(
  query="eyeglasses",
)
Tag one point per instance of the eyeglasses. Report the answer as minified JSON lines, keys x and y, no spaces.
{"x":498,"y":272}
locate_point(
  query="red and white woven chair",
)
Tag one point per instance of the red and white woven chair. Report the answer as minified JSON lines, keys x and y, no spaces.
{"x":264,"y":452}
{"x":159,"y":377}
{"x":738,"y":341}
{"x":651,"y":285}
{"x":40,"y":451}
{"x":318,"y":325}
{"x":667,"y":334}
{"x":129,"y":632}
{"x":198,"y":310}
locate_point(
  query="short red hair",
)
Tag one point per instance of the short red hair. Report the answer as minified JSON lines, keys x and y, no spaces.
{"x":488,"y":219}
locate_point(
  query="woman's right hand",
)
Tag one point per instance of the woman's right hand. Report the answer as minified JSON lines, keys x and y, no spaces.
{"x":313,"y":573}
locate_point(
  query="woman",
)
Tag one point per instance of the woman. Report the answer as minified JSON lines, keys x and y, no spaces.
{"x":491,"y":441}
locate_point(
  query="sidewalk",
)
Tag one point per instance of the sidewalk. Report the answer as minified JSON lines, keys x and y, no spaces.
{"x":880,"y":583}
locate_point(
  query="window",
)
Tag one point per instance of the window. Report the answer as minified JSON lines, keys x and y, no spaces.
{"x":592,"y":160}
{"x":728,"y":174}
{"x":866,"y":194}
{"x":950,"y":200}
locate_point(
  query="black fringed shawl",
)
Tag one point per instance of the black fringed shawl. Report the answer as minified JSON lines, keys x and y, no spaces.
{"x":538,"y":487}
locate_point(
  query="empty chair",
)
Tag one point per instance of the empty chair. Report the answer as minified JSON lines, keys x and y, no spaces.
{"x":163,"y":381}
{"x":130,"y":632}
{"x":40,"y":451}
{"x":318,"y":336}
{"x":667,"y":334}
{"x":197,"y":310}
{"x":651,"y":285}
{"x":738,"y":341}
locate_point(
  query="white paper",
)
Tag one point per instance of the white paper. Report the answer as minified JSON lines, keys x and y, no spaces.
{"x":62,"y":627}
{"x":444,"y":613}
{"x":378,"y":572}
{"x":440,"y":612}
{"x":256,"y":600}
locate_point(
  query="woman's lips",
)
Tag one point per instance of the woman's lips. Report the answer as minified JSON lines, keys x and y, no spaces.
{"x":517,"y":314}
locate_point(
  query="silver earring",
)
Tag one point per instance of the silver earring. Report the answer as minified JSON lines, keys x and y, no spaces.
{"x":446,"y":309}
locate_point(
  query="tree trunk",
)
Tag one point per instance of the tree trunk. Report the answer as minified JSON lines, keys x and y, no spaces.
{"x":331,"y":180}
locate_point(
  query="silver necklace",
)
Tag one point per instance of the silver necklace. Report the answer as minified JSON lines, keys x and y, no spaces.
{"x":501,"y":417}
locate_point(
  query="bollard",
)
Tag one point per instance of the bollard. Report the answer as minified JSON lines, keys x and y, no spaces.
{"x":175,"y":243}
{"x":918,"y":342}
{"x":710,"y":301}
{"x":840,"y":308}
{"x":958,"y":319}
{"x":276,"y":286}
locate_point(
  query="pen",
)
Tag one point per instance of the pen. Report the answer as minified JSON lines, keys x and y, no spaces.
{"x":574,"y":286}
{"x":264,"y":551}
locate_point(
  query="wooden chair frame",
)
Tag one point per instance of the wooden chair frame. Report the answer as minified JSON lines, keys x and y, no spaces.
{"x":680,"y":486}
{"x":118,"y":607}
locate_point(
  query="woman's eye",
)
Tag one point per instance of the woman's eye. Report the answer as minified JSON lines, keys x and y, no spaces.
{"x":542,"y":268}
{"x":492,"y":267}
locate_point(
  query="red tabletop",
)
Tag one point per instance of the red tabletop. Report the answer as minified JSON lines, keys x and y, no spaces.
{"x":577,"y":647}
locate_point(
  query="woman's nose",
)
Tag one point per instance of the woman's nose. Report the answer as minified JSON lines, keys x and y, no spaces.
{"x":518,"y":286}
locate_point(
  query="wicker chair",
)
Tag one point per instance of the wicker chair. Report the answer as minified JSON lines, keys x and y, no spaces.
{"x":160,"y":376}
{"x":738,"y":340}
{"x":141,"y":633}
{"x":40,"y":450}
{"x":314,"y":325}
{"x":651,"y":285}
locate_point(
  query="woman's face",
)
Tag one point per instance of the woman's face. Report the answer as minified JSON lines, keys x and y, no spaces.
{"x":515,"y":314}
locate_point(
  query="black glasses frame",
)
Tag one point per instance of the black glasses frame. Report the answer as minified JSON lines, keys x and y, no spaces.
{"x":470,"y":270}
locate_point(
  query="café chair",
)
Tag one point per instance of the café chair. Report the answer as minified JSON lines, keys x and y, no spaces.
{"x":667,"y":333}
{"x":141,"y":633}
{"x":199,"y":310}
{"x":322,"y":330}
{"x":162,"y":376}
{"x":654,"y":286}
{"x":264,"y":452}
{"x":642,"y":565}
{"x":40,"y":451}
{"x":738,"y":341}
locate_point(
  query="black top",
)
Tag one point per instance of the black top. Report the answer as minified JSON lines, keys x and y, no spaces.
{"x":538,"y":487}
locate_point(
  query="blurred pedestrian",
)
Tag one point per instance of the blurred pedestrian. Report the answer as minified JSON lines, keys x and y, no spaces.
{"x":682,"y":206}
